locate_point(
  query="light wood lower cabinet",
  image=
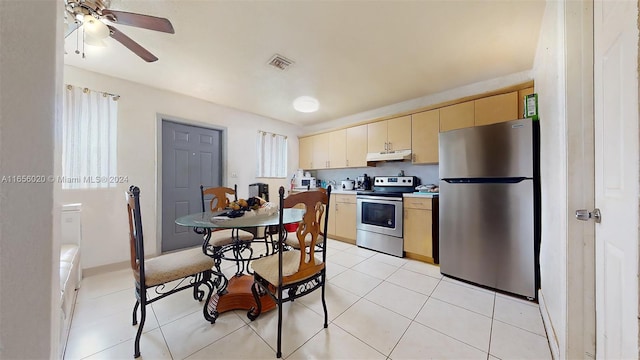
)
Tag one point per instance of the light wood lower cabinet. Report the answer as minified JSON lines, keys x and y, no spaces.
{"x":418,"y":222}
{"x":331,"y":226}
{"x":342,"y":218}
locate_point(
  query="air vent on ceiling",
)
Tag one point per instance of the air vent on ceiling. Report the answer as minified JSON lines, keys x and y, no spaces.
{"x":280,"y":62}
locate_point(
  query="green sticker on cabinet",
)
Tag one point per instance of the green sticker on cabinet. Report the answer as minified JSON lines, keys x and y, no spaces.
{"x":531,"y":106}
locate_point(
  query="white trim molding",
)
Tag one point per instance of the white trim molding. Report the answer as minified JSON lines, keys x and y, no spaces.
{"x":548,"y":327}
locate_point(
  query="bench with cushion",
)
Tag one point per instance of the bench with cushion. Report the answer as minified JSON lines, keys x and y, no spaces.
{"x":70,"y":268}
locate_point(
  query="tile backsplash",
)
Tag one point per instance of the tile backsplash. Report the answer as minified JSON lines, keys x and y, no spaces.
{"x":428,"y":174}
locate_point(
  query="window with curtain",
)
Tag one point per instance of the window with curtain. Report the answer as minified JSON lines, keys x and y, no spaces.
{"x":272,"y":155}
{"x":89,"y":139}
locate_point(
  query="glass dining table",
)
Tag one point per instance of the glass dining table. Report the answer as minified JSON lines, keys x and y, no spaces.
{"x":235,"y":293}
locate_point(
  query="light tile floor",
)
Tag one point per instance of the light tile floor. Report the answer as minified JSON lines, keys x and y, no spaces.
{"x":380,"y":307}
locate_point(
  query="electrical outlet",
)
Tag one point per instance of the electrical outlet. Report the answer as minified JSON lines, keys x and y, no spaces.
{"x":234,"y":175}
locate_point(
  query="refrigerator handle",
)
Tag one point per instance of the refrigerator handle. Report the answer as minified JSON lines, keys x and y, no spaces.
{"x":512,"y":180}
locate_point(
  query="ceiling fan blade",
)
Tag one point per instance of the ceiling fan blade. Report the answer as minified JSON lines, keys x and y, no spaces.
{"x":139,"y":20}
{"x":131,"y":45}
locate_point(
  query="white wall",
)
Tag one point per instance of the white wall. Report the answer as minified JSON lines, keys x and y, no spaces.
{"x":104,"y":220}
{"x":549,"y":74}
{"x":31,"y":76}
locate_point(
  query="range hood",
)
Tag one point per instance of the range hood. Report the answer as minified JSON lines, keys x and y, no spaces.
{"x":398,"y":155}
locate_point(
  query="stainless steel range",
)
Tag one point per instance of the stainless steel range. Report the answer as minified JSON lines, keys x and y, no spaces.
{"x":379,"y":223}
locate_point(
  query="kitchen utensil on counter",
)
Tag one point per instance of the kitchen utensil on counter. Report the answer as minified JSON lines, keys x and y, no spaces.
{"x":366,"y":184}
{"x":348,"y":184}
{"x":363,"y":182}
{"x":427,"y":188}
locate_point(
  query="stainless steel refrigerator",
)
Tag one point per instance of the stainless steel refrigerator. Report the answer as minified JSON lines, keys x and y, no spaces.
{"x":490,"y":206}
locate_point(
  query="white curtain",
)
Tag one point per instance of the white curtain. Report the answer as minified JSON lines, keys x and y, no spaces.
{"x":272,"y":155}
{"x":89,"y":138}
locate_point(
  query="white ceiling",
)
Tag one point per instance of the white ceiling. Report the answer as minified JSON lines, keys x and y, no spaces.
{"x":352,"y":56}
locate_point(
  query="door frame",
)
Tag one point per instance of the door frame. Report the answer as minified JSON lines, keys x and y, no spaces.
{"x":579,"y":101}
{"x":158,"y":184}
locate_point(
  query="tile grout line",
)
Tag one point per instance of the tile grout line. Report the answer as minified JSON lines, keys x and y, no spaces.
{"x":493,"y":314}
{"x":412,"y":321}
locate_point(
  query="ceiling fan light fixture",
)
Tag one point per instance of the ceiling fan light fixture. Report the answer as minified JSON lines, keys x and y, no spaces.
{"x":306,"y":104}
{"x":91,"y":41}
{"x":95,"y":28}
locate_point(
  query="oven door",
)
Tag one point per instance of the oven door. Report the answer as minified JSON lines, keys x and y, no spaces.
{"x":379,"y":214}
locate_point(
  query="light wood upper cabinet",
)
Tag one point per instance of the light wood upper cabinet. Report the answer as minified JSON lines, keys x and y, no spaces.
{"x":321,"y":151}
{"x":457,"y":116}
{"x":389,"y":135}
{"x":305,"y":153}
{"x":377,"y":137}
{"x":496,"y":109}
{"x":521,"y":94}
{"x":357,"y":146}
{"x":399,"y":133}
{"x":338,"y":149}
{"x":424,"y":136}
{"x":348,"y":148}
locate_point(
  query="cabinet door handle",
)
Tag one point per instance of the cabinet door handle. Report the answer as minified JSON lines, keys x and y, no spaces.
{"x":347,"y":162}
{"x":389,"y":146}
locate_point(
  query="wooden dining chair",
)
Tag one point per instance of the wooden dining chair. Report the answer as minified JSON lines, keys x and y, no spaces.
{"x":290,"y":238}
{"x":165,"y":274}
{"x":222,"y":241}
{"x":288,"y":275}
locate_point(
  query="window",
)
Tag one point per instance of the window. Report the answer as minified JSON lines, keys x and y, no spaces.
{"x":272,"y":155}
{"x":89,"y":139}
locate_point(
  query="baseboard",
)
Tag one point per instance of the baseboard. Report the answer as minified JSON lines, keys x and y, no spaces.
{"x":97,"y":270}
{"x":342,"y":239}
{"x":548,"y":327}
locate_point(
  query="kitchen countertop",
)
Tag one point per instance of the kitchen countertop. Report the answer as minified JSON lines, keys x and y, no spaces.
{"x":336,"y":191}
{"x":344,"y":192}
{"x":420,"y":195}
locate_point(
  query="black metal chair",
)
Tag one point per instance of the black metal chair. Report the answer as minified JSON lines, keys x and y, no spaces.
{"x":288,"y":275}
{"x":222,"y":241}
{"x":183,"y":269}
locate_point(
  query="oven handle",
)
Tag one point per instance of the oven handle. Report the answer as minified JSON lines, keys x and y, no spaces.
{"x":383,"y":198}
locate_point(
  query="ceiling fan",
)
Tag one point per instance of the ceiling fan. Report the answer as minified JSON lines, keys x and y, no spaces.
{"x":97,"y":21}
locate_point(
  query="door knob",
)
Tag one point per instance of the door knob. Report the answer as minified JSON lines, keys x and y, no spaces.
{"x":585,"y":215}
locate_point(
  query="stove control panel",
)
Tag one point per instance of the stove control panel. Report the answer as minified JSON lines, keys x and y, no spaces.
{"x":394,"y":181}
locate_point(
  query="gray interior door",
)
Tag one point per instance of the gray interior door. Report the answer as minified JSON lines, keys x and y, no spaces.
{"x":191,"y":156}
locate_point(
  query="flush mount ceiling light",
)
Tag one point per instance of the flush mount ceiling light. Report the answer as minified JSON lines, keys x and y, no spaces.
{"x":306,"y":104}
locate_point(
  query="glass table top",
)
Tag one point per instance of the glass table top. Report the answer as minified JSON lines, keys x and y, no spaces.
{"x":204,"y":219}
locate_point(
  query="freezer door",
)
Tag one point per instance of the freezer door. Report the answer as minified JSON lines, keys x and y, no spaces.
{"x":487,"y":234}
{"x":490,"y":151}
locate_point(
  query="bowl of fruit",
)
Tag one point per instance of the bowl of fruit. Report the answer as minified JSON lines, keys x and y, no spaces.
{"x":253,"y":206}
